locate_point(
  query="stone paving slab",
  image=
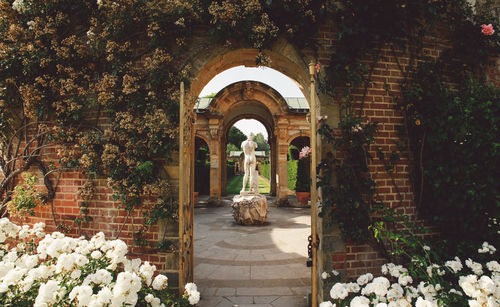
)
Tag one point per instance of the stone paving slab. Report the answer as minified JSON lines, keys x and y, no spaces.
{"x":252,"y":265}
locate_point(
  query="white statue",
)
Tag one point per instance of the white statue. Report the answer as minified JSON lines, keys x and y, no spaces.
{"x":249,"y":165}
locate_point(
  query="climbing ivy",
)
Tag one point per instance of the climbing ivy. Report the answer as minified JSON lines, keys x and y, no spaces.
{"x":106,"y":74}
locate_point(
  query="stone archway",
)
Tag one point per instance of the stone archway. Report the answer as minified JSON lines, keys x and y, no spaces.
{"x":250,"y":99}
{"x":206,"y":60}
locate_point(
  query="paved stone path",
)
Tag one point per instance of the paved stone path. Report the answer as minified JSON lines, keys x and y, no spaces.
{"x":252,"y":265}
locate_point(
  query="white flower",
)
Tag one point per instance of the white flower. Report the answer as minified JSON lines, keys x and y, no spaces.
{"x":379,"y":286}
{"x":190,"y":287}
{"x":364,"y":279}
{"x":102,"y":276}
{"x":404,"y":280}
{"x":426,"y":248}
{"x":192,"y":293}
{"x":96,"y":254}
{"x":194,"y":297}
{"x":327,"y":304}
{"x":395,"y":292}
{"x":84,"y":295}
{"x":335,"y":273}
{"x":360,"y":301}
{"x":353,"y":287}
{"x":146,"y":271}
{"x":423,"y":303}
{"x":455,"y":291}
{"x":470,"y":285}
{"x":339,"y":291}
{"x":47,"y":293}
{"x":19,"y":6}
{"x":486,"y":284}
{"x":454,"y":265}
{"x":487,"y":248}
{"x":76,"y":274}
{"x":493,"y":266}
{"x":476,"y":267}
{"x":160,"y":282}
{"x":381,"y":305}
{"x":325,"y":275}
{"x":104,"y":296}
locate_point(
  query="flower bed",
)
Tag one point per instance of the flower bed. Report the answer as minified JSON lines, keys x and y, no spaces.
{"x":38,"y":269}
{"x":425,"y":284}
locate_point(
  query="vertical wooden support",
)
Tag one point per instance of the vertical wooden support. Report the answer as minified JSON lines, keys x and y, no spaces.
{"x":314,"y":192}
{"x":182,"y":179}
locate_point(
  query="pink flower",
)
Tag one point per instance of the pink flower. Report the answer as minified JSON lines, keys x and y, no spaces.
{"x":305,"y":152}
{"x":318,"y":67}
{"x":322,"y":118}
{"x":487,"y":29}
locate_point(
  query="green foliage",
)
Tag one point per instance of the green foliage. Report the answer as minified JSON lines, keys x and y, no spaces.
{"x":262,"y":143}
{"x":303,"y":182}
{"x":347,"y":199}
{"x":236,"y":137}
{"x":456,"y":134}
{"x":265,"y":170}
{"x":26,"y":197}
{"x":292,"y":171}
{"x":231,"y":147}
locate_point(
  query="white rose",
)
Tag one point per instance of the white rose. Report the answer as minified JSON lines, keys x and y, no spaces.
{"x":160,"y":282}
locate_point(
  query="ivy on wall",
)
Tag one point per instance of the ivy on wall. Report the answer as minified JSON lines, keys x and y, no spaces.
{"x":100,"y":79}
{"x":440,"y":120}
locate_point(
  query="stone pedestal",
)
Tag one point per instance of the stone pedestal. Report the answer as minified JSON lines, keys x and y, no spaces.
{"x":249,"y":209}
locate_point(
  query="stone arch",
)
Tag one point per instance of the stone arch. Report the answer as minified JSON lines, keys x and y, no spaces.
{"x":212,"y":60}
{"x":248,"y":91}
{"x":248,"y":99}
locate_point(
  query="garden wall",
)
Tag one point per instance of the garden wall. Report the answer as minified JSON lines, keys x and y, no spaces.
{"x":393,"y":188}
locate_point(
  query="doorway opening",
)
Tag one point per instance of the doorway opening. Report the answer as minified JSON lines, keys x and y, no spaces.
{"x":236,"y":264}
{"x":238,"y":133}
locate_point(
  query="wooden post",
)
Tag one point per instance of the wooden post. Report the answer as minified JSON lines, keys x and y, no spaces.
{"x":314,"y":213}
{"x":182,"y":180}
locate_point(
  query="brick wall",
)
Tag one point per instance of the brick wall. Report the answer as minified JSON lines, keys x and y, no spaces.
{"x":352,"y":259}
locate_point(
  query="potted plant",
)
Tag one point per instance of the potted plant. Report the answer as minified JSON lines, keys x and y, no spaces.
{"x":303,"y":183}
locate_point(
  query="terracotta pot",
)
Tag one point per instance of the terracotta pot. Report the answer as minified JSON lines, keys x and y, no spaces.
{"x":303,"y":197}
{"x":195,"y":196}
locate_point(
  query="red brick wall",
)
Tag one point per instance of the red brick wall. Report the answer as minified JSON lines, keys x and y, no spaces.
{"x":353,"y":259}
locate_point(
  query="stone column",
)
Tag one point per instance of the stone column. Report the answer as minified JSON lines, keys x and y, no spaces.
{"x":282,"y":146}
{"x":223,"y":165}
{"x":272,"y":159}
{"x":215,"y":161}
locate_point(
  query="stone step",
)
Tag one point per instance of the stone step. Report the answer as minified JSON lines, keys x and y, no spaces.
{"x":244,"y":262}
{"x":253,"y":283}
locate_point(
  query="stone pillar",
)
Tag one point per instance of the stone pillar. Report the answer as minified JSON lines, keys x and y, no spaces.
{"x":273,"y":161}
{"x":215,"y":161}
{"x":223,"y":165}
{"x":282,"y":146}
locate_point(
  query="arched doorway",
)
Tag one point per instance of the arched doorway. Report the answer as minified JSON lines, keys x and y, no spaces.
{"x":208,"y":62}
{"x":249,"y":99}
{"x":232,"y":184}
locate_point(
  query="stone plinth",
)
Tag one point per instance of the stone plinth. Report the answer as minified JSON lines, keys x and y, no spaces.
{"x":249,"y":209}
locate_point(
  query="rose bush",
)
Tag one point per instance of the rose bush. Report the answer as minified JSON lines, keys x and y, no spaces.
{"x":38,"y":269}
{"x":425,"y":284}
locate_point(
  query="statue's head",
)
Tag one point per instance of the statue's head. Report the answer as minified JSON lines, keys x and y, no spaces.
{"x":251,"y":136}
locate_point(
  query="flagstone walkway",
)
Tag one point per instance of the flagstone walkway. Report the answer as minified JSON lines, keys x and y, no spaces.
{"x":252,"y":265}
